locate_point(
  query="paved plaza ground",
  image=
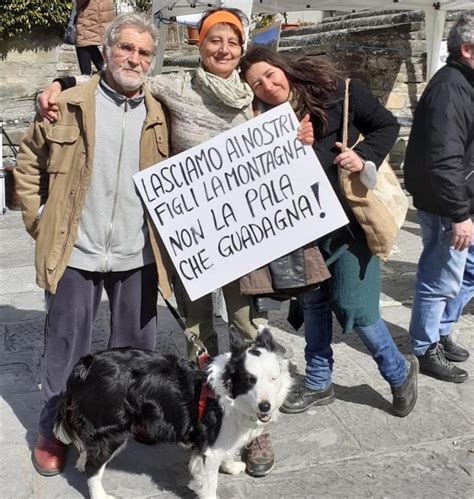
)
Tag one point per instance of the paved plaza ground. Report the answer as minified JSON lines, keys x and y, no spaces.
{"x":352,"y":448}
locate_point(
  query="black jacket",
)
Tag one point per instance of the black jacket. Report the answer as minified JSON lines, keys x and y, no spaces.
{"x":367,"y":116}
{"x":439,"y":160}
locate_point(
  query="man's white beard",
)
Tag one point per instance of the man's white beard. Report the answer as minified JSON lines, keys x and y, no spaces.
{"x":129,"y":84}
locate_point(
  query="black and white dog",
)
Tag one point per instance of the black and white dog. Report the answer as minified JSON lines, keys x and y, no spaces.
{"x":113,"y":393}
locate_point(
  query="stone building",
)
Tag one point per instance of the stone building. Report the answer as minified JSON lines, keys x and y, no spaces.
{"x":384,"y":48}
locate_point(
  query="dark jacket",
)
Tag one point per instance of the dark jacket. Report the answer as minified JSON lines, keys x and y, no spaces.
{"x":439,"y":160}
{"x":367,"y":117}
{"x":289,"y":275}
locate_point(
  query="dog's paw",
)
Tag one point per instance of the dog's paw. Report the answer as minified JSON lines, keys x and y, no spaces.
{"x":232,"y":467}
{"x":206,"y":496}
{"x":81,"y":462}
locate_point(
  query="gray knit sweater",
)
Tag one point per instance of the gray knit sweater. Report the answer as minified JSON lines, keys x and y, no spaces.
{"x":195,"y":115}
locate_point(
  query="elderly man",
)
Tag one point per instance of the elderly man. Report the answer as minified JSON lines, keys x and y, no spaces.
{"x":79,"y":203}
{"x":439,"y":172}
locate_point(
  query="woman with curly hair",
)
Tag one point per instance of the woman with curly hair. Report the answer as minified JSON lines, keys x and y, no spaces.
{"x":312,"y":85}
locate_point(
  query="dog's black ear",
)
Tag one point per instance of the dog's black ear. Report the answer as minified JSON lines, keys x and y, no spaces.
{"x":265,"y":339}
{"x":227,"y":375}
{"x":237,"y":340}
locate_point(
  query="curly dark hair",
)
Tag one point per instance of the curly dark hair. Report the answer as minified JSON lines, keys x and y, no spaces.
{"x":312,"y":80}
{"x":236,"y":12}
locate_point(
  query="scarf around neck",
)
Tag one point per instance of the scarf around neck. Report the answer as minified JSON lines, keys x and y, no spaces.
{"x":232,"y":91}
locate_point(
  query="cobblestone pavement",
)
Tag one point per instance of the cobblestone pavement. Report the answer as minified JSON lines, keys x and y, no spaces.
{"x":351,"y":448}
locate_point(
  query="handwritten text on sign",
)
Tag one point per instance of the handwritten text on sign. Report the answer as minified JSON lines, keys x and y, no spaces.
{"x":239,"y":201}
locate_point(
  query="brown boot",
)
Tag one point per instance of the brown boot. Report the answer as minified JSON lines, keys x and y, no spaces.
{"x":260,"y":457}
{"x":48,"y":456}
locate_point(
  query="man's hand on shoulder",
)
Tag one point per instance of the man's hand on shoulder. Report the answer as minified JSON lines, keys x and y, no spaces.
{"x":462,"y":235}
{"x":48,"y":108}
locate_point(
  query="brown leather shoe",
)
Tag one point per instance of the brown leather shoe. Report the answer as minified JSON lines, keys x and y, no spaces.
{"x":404,"y":397}
{"x":260,"y":458}
{"x":48,"y":456}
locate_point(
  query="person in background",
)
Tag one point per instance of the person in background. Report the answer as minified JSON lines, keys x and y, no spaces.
{"x":79,"y":203}
{"x":439,"y":173}
{"x":313,"y":86}
{"x":203,"y":103}
{"x":92,"y":18}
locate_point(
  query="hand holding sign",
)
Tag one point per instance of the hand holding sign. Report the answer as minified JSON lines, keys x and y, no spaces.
{"x":306,"y":131}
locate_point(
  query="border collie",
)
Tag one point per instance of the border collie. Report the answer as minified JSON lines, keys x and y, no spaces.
{"x":114,"y":393}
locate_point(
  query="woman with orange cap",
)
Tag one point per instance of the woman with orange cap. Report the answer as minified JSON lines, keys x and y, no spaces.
{"x":202,"y":104}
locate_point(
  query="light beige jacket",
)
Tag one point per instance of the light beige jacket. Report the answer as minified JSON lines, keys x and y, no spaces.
{"x":54,"y":167}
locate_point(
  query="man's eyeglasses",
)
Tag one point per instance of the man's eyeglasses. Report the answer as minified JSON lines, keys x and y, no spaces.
{"x":127,"y":49}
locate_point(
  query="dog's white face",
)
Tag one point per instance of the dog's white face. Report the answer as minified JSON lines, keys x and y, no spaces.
{"x":264,"y":386}
{"x":254,"y":380}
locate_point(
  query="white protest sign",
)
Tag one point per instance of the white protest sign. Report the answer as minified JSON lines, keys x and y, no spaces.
{"x":239,"y":201}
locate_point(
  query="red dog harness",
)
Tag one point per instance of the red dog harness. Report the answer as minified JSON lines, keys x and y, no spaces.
{"x":206,"y":392}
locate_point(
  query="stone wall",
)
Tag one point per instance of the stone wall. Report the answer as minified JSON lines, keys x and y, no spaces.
{"x":386,"y":49}
{"x":25,"y":67}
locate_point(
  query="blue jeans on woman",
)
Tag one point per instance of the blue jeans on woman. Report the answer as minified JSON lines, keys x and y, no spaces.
{"x":444,"y":283}
{"x":318,"y":352}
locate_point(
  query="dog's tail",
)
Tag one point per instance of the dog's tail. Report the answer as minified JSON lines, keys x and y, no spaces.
{"x":67,"y":411}
{"x":61,"y":426}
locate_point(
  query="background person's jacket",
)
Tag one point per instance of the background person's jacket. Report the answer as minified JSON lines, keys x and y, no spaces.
{"x":439,"y":160}
{"x":54,"y":169}
{"x":92,"y":18}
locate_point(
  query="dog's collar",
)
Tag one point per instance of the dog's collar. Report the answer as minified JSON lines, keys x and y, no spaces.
{"x":206,"y":392}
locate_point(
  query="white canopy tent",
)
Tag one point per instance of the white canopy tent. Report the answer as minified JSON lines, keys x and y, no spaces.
{"x":435,"y":15}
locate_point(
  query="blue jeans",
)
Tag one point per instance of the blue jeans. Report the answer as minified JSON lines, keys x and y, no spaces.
{"x":444,"y":283}
{"x":319,"y":354}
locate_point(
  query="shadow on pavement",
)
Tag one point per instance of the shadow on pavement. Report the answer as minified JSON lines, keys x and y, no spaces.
{"x":411,"y":216}
{"x":12,"y":314}
{"x":399,"y":335}
{"x":20,"y":360}
{"x":362,"y":395}
{"x":401,"y":268}
{"x":166,"y":465}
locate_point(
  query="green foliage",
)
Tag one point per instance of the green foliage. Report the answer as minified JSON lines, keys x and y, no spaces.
{"x":143,"y":6}
{"x":22,"y":17}
{"x":263,"y":20}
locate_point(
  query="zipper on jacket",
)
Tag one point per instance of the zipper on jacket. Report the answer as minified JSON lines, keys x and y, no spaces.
{"x":108,"y":239}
